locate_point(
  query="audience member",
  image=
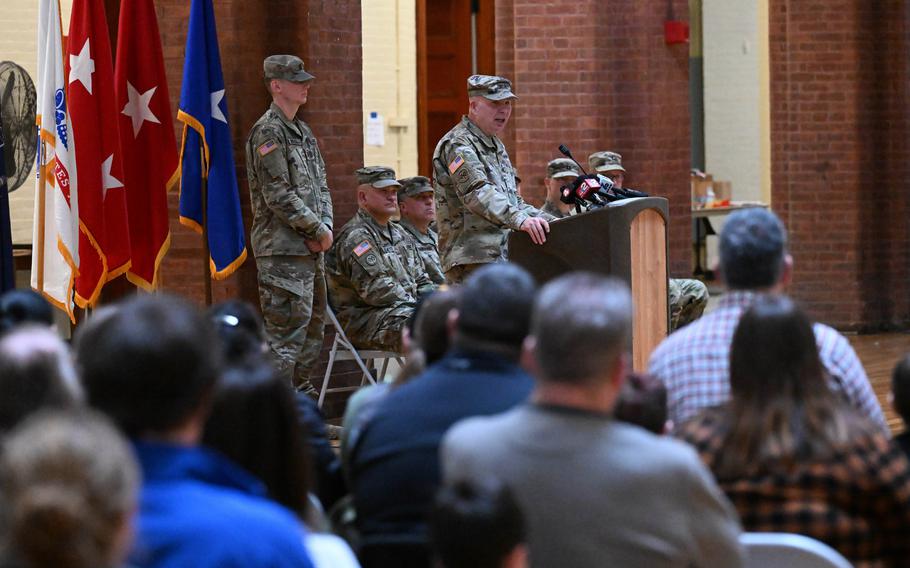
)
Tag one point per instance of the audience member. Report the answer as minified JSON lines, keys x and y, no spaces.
{"x":18,"y":307}
{"x":240,"y":330}
{"x":792,"y":456}
{"x":69,"y":483}
{"x":36,"y":371}
{"x":477,"y":525}
{"x":395,"y":465}
{"x":425,"y":341}
{"x":243,"y":338}
{"x":694,"y":362}
{"x":152,"y":366}
{"x":254,"y":422}
{"x":900,"y":400}
{"x":643,"y":402}
{"x":595,"y":491}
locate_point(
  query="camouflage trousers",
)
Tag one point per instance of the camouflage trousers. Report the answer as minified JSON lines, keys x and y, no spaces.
{"x":458,"y":273}
{"x":376,"y":328}
{"x":292,"y":293}
{"x":688,"y":299}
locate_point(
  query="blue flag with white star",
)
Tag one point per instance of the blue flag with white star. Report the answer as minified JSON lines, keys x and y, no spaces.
{"x":7,"y":269}
{"x":209,"y":197}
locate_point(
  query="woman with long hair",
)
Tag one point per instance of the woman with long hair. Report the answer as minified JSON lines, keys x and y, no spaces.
{"x":792,"y":456}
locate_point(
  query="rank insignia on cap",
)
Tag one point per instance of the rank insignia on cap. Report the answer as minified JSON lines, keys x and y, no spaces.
{"x":363,"y":247}
{"x":456,"y":163}
{"x":266,"y":148}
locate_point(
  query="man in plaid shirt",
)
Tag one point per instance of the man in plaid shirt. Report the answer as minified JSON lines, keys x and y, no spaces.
{"x":694,"y":362}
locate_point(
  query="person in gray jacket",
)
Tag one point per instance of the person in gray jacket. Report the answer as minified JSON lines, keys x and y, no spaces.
{"x":595,"y":491}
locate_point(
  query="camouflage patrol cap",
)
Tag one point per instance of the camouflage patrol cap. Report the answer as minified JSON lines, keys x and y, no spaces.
{"x":378,"y":176}
{"x":414,"y":186}
{"x":287,"y":67}
{"x":606,"y":161}
{"x":562,"y":167}
{"x":490,"y":87}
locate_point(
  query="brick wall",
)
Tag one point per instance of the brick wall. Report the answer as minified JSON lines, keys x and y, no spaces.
{"x":599,"y":76}
{"x":839,"y":156}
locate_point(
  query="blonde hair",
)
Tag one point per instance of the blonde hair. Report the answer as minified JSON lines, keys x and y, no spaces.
{"x":69,"y":482}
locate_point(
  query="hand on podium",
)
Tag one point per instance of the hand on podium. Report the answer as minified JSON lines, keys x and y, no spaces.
{"x":537,"y":228}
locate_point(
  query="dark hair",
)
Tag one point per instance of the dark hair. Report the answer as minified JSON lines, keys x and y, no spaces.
{"x":475,"y":525}
{"x":753,"y":245}
{"x":782,"y":408}
{"x":581,"y":322}
{"x":429,"y":333}
{"x":494,"y":306}
{"x":69,"y":483}
{"x":150,"y":364}
{"x":239,"y":328}
{"x":19,"y":307}
{"x":36,"y":371}
{"x":254,"y":422}
{"x":643,"y":402}
{"x":900,"y":388}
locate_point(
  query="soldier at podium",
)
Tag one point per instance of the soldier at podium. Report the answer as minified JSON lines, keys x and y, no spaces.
{"x":688,"y":297}
{"x":477,"y":200}
{"x":559,"y":172}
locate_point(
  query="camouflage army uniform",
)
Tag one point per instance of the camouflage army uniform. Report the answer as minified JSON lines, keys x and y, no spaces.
{"x":476,"y":198}
{"x":688,"y":298}
{"x":550,"y":208}
{"x":375,"y":277}
{"x":291,"y":202}
{"x":427,"y":246}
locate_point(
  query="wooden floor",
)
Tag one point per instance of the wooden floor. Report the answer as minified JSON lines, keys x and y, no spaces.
{"x":879,"y":354}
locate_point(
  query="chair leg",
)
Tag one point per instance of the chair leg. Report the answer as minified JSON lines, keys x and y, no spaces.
{"x":328,"y":373}
{"x":383,"y":369}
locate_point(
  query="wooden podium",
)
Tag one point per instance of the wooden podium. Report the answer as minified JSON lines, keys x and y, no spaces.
{"x":628,"y":240}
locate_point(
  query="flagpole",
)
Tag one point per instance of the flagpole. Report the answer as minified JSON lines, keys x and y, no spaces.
{"x":207,"y":270}
{"x":42,"y":186}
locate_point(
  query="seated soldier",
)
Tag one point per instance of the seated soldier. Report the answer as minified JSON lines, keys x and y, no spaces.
{"x":418,"y":209}
{"x":559,"y":172}
{"x":688,"y":297}
{"x":375,"y":273}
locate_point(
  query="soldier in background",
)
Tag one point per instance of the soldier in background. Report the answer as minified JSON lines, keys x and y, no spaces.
{"x":688,"y":297}
{"x":375,"y":271}
{"x":477,"y":202}
{"x":418,"y":210}
{"x":559,"y":172}
{"x":292,"y":221}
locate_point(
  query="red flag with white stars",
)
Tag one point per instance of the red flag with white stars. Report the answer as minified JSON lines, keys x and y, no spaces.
{"x":104,"y":241}
{"x":147,"y":137}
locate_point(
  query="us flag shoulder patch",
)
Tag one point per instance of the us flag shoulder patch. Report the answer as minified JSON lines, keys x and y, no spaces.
{"x":362,"y":248}
{"x":456,"y":163}
{"x":266,"y":148}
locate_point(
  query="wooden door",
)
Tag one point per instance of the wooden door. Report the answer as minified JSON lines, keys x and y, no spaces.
{"x":446,"y":57}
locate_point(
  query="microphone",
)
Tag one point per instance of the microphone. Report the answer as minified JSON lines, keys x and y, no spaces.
{"x":564,"y":150}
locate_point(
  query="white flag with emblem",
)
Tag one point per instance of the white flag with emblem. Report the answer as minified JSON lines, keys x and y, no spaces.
{"x":55,"y":256}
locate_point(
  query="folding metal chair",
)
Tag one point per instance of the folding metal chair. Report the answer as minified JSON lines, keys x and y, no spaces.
{"x":344,"y":350}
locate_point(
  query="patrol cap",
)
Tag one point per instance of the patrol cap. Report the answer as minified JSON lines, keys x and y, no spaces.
{"x":378,"y":176}
{"x":562,"y":167}
{"x":606,"y":161}
{"x":414,"y":186}
{"x":287,"y":67}
{"x":490,"y":87}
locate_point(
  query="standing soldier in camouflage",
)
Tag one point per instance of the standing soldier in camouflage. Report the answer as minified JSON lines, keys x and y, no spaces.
{"x":418,"y":210}
{"x":559,"y":172}
{"x":477,"y":202}
{"x":375,"y":271}
{"x":292,"y":221}
{"x":688,"y":297}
